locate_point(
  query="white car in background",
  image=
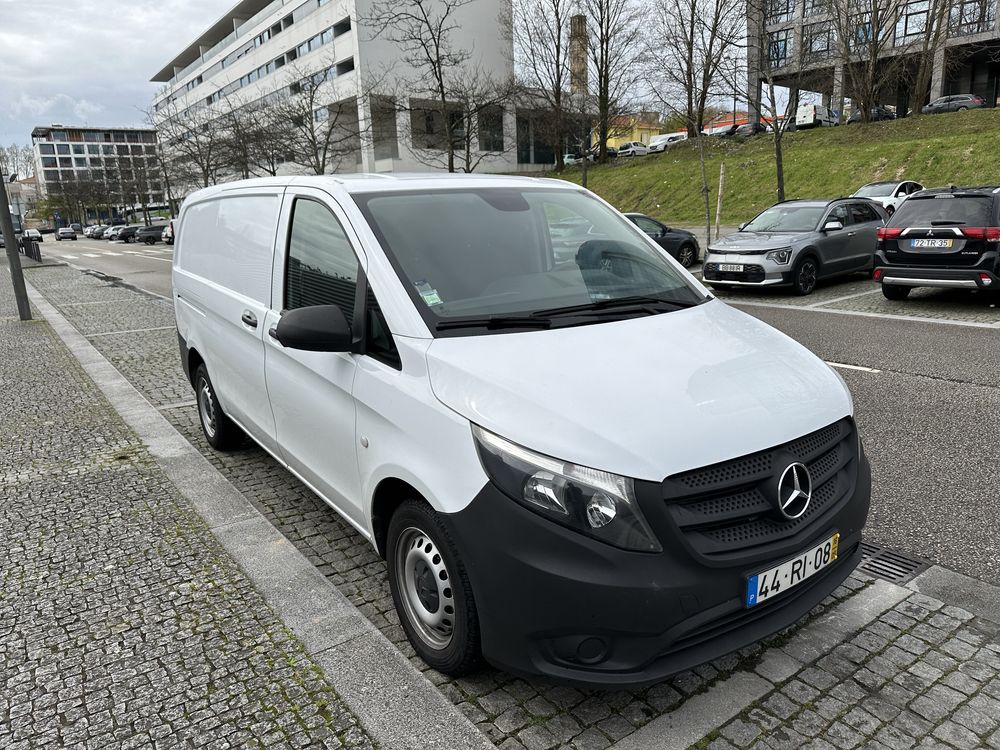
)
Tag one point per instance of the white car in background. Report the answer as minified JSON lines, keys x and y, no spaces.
{"x":889,"y":194}
{"x":633,"y":148}
{"x":659,"y":143}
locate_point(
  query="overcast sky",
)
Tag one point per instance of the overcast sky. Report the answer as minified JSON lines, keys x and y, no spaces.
{"x":88,"y":62}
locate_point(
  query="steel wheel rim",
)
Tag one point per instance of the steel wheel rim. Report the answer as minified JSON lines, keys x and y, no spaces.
{"x":424,"y":586}
{"x":206,"y":408}
{"x":807,"y":276}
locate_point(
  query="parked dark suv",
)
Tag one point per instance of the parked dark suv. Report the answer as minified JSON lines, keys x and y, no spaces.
{"x":942,"y":238}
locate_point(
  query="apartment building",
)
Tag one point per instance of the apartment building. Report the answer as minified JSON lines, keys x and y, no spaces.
{"x":264,"y":49}
{"x":126,"y":160}
{"x":806,"y":44}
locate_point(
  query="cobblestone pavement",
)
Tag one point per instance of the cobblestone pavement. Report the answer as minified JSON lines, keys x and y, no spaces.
{"x":512,"y":712}
{"x":924,"y":675}
{"x":123,"y":623}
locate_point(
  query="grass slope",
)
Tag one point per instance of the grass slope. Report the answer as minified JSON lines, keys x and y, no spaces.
{"x":961,"y":148}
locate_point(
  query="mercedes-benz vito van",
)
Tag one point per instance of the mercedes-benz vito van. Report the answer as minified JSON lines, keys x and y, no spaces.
{"x":579,"y":465}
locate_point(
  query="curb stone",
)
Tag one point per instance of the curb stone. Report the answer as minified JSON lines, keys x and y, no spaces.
{"x":399,"y":707}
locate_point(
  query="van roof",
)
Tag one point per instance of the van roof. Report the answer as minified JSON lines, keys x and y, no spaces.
{"x":368,"y":183}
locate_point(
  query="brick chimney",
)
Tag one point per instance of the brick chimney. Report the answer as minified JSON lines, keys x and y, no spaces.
{"x":578,"y":54}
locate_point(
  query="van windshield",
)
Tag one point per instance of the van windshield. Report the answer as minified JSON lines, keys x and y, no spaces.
{"x":521,"y":258}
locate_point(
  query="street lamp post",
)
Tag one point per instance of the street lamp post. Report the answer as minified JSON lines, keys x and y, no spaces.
{"x":13,"y":258}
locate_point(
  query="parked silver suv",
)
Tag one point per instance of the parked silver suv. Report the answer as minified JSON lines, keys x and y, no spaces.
{"x":796,"y":243}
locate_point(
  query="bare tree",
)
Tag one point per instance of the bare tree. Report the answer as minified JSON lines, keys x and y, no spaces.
{"x":614,"y":46}
{"x":426,"y":32}
{"x":691,"y":41}
{"x":865,"y":37}
{"x":321,"y":135}
{"x":542,"y":57}
{"x":19,"y":160}
{"x":190,"y":144}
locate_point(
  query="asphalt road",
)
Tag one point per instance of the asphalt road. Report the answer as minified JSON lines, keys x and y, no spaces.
{"x":927,"y":396}
{"x":143,"y":266}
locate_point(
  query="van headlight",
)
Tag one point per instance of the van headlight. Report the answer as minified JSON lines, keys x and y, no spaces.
{"x":596,"y":503}
{"x":780,"y":256}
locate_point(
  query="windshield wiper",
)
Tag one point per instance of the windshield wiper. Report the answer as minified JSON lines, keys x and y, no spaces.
{"x":495,"y":322}
{"x":638,"y":300}
{"x":946,"y":223}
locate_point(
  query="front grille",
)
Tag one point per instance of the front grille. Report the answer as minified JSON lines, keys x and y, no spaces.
{"x":750,"y":273}
{"x":728,"y":509}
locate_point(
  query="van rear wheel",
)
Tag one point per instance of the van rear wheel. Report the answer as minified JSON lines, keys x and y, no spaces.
{"x":220,"y":431}
{"x":431,"y":590}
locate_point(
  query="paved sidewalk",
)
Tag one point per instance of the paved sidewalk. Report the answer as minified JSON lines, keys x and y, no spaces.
{"x":876,"y":665}
{"x":122,"y":622}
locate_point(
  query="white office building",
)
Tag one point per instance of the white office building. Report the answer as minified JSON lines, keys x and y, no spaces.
{"x":261,"y":49}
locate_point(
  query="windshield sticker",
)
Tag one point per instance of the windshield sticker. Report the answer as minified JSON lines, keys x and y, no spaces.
{"x":429,"y":295}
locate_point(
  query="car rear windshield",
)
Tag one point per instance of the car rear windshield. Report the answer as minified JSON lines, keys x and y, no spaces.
{"x":946,"y":209}
{"x":504,"y":251}
{"x":875,"y":191}
{"x":787,"y":218}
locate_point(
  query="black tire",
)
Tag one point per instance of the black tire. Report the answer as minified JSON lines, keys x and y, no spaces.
{"x":893,"y":292}
{"x":687,"y":255}
{"x":150,"y":241}
{"x":420,"y":552}
{"x":220,"y":431}
{"x":805,"y":276}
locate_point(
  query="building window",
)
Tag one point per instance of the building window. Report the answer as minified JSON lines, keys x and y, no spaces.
{"x":863,"y":31}
{"x":779,"y":10}
{"x":384,"y":135}
{"x":972,"y":16}
{"x":345,"y":66}
{"x":80,"y":163}
{"x":491,"y":129}
{"x":779,"y":48}
{"x":46,"y":149}
{"x":62,"y":149}
{"x":815,"y":7}
{"x":342,"y":27}
{"x":78,"y":150}
{"x":817,"y":41}
{"x":65,"y":162}
{"x":49,"y":162}
{"x":912,"y":21}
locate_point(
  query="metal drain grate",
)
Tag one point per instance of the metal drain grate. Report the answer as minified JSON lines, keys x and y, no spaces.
{"x":890,"y":565}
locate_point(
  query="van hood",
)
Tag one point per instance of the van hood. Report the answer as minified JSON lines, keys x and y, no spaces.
{"x":757,"y":242}
{"x":646,"y":397}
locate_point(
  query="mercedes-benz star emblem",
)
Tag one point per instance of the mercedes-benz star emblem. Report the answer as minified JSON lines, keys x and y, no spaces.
{"x":794,"y":491}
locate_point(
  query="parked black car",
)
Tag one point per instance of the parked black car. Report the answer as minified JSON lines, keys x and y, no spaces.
{"x":150,"y":235}
{"x":127,"y":234}
{"x":954,"y":103}
{"x":875,"y":114}
{"x":678,"y":242}
{"x":945,"y":237}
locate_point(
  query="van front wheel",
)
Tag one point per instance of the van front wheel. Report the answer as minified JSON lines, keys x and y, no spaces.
{"x":431,"y":590}
{"x":220,"y":431}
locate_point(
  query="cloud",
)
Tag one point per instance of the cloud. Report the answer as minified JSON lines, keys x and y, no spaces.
{"x":97,"y":74}
{"x":57,"y":107}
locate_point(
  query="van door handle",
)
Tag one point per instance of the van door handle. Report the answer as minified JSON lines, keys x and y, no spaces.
{"x":249,"y":319}
{"x":273,"y":332}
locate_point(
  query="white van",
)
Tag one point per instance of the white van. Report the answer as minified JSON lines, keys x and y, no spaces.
{"x":814,"y":116}
{"x":579,"y":465}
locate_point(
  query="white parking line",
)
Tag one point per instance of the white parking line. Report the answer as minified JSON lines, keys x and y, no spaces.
{"x":858,"y":313}
{"x":842,"y":299}
{"x":859,"y":368}
{"x":91,"y":255}
{"x":108,"y":252}
{"x":67,"y":257}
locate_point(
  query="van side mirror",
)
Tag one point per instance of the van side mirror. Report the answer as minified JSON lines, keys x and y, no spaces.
{"x":832,"y":226}
{"x":322,"y":328}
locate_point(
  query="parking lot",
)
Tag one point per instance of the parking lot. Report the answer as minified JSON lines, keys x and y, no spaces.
{"x":923,"y":374}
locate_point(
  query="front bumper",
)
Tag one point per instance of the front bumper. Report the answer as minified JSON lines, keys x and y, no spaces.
{"x":756,"y":270}
{"x":555,"y":603}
